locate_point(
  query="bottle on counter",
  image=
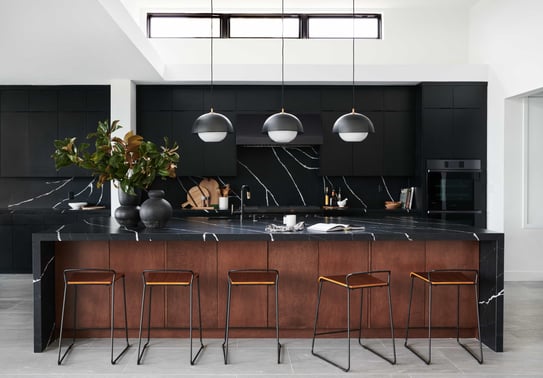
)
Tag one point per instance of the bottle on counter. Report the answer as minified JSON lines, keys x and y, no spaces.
{"x":326,"y":197}
{"x":333,"y":198}
{"x":339,"y":198}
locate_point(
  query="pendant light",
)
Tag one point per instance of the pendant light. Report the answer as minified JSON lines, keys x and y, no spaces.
{"x":282,"y":127}
{"x":212,"y":127}
{"x":353,"y":127}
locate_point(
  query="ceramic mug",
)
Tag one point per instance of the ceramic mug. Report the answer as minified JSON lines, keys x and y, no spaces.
{"x":289,"y":220}
{"x":223,"y":203}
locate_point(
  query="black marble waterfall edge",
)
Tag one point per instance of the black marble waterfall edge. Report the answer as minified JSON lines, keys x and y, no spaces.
{"x":491,"y":255}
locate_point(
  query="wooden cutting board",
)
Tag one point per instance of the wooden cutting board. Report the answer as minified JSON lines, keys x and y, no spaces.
{"x":212,"y":186}
{"x":196,"y":197}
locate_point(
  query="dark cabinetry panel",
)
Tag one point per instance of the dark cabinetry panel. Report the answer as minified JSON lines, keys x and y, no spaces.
{"x":31,"y":118}
{"x":390,"y":151}
{"x":171,"y":111}
{"x":25,"y":151}
{"x":6,"y":251}
{"x":453,"y":119}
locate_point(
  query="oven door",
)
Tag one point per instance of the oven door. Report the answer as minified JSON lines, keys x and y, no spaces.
{"x":452,"y":191}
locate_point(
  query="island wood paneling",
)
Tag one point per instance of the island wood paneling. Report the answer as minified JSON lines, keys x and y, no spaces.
{"x":200,"y":257}
{"x":299,"y":263}
{"x":340,"y":257}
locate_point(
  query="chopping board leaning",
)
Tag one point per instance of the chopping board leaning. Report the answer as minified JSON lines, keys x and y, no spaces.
{"x":213,"y":187}
{"x":196,"y":197}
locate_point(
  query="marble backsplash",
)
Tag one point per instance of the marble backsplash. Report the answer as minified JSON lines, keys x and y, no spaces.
{"x":277,"y":176}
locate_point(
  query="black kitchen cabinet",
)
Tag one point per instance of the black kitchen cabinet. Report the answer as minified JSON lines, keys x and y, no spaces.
{"x":336,"y":156}
{"x":399,"y":143}
{"x":453,"y":121}
{"x":31,"y":118}
{"x":173,"y":117}
{"x":6,"y":252}
{"x":26,"y":139}
{"x":368,"y":155}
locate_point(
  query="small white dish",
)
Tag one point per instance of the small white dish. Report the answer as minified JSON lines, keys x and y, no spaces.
{"x":77,"y":205}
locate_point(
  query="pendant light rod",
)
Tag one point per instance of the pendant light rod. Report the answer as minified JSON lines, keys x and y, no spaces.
{"x":211,"y":61}
{"x":282,"y":55}
{"x":353,"y":59}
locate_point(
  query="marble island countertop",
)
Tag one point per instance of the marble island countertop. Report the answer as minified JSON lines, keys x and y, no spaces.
{"x":252,"y":227}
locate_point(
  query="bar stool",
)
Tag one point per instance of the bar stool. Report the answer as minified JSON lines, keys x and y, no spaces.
{"x":170,"y":277}
{"x":247,"y":277}
{"x":88,"y":277}
{"x":355,"y":281}
{"x":446,"y":277}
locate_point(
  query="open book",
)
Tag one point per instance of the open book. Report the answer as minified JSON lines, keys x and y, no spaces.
{"x":328,"y":227}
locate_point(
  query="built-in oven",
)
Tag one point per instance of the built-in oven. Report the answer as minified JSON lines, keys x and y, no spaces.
{"x":455,"y":191}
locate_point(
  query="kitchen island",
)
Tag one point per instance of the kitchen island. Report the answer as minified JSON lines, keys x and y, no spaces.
{"x":212,"y":246}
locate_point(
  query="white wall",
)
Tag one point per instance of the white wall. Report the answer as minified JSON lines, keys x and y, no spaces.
{"x":412,"y":38}
{"x":505,"y":34}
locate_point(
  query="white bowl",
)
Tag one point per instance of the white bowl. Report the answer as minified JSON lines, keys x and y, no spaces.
{"x":76,"y":205}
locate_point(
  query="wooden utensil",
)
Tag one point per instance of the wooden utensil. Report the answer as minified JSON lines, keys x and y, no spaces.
{"x":213,"y":188}
{"x":196,"y":197}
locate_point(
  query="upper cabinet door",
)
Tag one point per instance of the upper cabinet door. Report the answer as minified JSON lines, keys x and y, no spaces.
{"x":368,"y":154}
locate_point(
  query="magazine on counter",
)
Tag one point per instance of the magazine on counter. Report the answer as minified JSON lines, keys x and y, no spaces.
{"x":329,"y":227}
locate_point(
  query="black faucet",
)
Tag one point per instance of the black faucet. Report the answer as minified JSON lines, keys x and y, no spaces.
{"x":245,"y":193}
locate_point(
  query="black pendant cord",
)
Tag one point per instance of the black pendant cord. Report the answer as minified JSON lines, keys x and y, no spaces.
{"x":211,"y":60}
{"x":282,"y":56}
{"x":353,"y":58}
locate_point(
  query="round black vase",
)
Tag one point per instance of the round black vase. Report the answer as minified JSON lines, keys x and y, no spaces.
{"x":128,"y":213}
{"x":156,"y":211}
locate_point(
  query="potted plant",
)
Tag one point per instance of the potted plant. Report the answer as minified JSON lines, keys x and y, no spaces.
{"x":131,"y":163}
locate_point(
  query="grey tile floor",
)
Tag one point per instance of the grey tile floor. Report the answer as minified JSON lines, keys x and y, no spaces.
{"x":255,"y":357}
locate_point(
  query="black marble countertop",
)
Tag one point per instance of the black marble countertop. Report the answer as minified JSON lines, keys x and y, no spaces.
{"x":215,"y":228}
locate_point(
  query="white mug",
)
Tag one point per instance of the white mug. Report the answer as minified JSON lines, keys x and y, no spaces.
{"x":223,"y":203}
{"x":289,"y":220}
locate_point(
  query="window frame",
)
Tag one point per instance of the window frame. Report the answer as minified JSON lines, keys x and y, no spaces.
{"x":302,"y":17}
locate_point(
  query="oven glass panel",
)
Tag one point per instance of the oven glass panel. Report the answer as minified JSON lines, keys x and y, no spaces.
{"x":451,"y":190}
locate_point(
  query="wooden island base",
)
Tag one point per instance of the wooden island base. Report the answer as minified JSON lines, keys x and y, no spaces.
{"x":299,"y":264}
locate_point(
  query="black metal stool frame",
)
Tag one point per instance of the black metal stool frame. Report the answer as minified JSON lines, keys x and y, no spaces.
{"x":228,"y":302}
{"x":475,"y":284}
{"x":113,"y":280}
{"x":190,"y":285}
{"x":359,"y":329}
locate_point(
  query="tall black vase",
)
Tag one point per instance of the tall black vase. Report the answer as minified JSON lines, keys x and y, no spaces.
{"x":128,"y":213}
{"x":156,"y":211}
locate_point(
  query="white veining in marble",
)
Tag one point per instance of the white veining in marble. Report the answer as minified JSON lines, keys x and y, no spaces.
{"x":268,"y":192}
{"x":354,"y":194}
{"x":36,"y":280}
{"x":386,"y":188}
{"x":290,"y":175}
{"x":493,"y":297}
{"x":63,"y":183}
{"x":209,"y":233}
{"x":296,"y":159}
{"x":408,"y":237}
{"x":58,"y":232}
{"x":476,"y":237}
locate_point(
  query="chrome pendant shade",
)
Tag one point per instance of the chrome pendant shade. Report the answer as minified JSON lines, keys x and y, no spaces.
{"x":353,"y":127}
{"x":282,"y":127}
{"x":212,"y":127}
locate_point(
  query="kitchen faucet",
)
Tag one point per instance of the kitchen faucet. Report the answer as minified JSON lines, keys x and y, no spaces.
{"x":244,"y":188}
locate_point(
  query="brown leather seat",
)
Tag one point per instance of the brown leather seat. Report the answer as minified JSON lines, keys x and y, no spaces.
{"x":446,"y":277}
{"x":87,"y":277}
{"x":245,"y":277}
{"x":169,"y":277}
{"x":355,"y":281}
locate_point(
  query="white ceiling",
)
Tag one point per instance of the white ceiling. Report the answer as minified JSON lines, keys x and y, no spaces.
{"x":97,"y":41}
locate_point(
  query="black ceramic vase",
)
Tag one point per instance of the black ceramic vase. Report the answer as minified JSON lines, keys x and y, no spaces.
{"x":156,"y":211}
{"x":128,"y":213}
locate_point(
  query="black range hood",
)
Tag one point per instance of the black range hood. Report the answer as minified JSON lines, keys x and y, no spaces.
{"x":249,"y":130}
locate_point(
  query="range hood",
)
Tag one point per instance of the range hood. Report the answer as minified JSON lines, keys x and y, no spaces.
{"x":249,"y":130}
